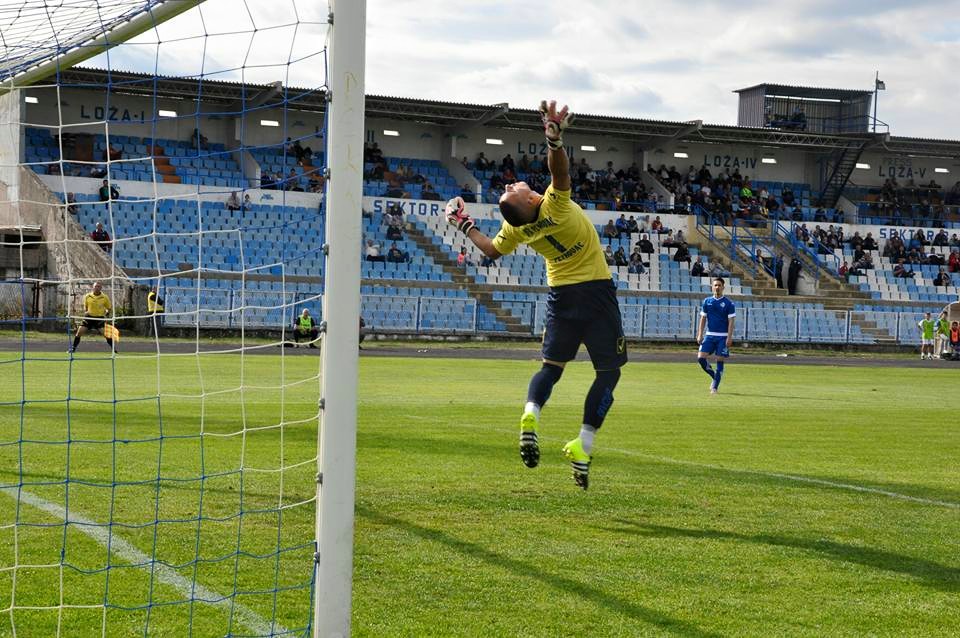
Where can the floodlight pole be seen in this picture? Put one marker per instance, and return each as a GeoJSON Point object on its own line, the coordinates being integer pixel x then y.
{"type": "Point", "coordinates": [337, 437]}
{"type": "Point", "coordinates": [876, 94]}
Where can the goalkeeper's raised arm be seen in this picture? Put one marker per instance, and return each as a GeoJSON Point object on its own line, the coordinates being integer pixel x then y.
{"type": "Point", "coordinates": [554, 123]}
{"type": "Point", "coordinates": [520, 205]}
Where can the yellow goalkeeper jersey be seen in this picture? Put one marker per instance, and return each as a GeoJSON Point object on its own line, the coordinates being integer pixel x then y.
{"type": "Point", "coordinates": [96, 305]}
{"type": "Point", "coordinates": [564, 236]}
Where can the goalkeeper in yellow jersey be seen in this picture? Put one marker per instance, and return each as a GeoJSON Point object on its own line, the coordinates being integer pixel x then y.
{"type": "Point", "coordinates": [582, 306]}
{"type": "Point", "coordinates": [96, 312]}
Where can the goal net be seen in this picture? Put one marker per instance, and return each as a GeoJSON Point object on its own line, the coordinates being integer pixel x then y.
{"type": "Point", "coordinates": [161, 278]}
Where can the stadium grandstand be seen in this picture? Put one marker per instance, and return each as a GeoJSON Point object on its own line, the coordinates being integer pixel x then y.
{"type": "Point", "coordinates": [755, 202]}
{"type": "Point", "coordinates": [224, 230]}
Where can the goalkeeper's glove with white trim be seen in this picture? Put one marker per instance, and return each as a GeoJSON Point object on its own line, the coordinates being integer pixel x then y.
{"type": "Point", "coordinates": [554, 122]}
{"type": "Point", "coordinates": [456, 213]}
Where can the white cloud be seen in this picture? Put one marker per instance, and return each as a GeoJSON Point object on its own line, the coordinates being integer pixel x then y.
{"type": "Point", "coordinates": [675, 61]}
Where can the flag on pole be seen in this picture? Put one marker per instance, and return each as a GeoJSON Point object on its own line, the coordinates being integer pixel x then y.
{"type": "Point", "coordinates": [881, 85]}
{"type": "Point", "coordinates": [110, 332]}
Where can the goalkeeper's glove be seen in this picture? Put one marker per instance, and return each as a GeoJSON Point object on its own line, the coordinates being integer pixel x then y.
{"type": "Point", "coordinates": [456, 213]}
{"type": "Point", "coordinates": [554, 123]}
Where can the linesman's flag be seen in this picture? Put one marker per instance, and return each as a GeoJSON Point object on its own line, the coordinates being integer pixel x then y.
{"type": "Point", "coordinates": [110, 332]}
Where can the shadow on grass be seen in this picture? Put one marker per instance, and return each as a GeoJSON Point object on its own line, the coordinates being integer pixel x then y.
{"type": "Point", "coordinates": [930, 573]}
{"type": "Point", "coordinates": [523, 569]}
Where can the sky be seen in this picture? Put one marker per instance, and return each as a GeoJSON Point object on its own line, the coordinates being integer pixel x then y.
{"type": "Point", "coordinates": [660, 60]}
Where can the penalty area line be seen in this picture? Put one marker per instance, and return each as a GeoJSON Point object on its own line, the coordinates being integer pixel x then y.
{"type": "Point", "coordinates": [166, 575]}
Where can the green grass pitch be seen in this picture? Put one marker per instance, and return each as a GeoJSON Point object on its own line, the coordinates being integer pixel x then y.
{"type": "Point", "coordinates": [802, 501]}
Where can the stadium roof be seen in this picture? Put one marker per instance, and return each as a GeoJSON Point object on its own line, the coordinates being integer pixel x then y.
{"type": "Point", "coordinates": [812, 92]}
{"type": "Point", "coordinates": [642, 131]}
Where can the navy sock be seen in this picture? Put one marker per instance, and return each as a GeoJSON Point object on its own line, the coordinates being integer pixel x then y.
{"type": "Point", "coordinates": [542, 383]}
{"type": "Point", "coordinates": [600, 397]}
{"type": "Point", "coordinates": [718, 374]}
{"type": "Point", "coordinates": [76, 341]}
{"type": "Point", "coordinates": [706, 366]}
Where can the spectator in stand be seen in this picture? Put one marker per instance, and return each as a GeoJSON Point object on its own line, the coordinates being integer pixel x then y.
{"type": "Point", "coordinates": [481, 163]}
{"type": "Point", "coordinates": [656, 226]}
{"type": "Point", "coordinates": [467, 193]}
{"type": "Point", "coordinates": [632, 226]}
{"type": "Point", "coordinates": [620, 257]}
{"type": "Point", "coordinates": [486, 262]}
{"type": "Point", "coordinates": [621, 225]}
{"type": "Point", "coordinates": [941, 239]}
{"type": "Point", "coordinates": [645, 245]}
{"type": "Point", "coordinates": [72, 204]}
{"type": "Point", "coordinates": [198, 141]}
{"type": "Point", "coordinates": [843, 271]}
{"type": "Point", "coordinates": [900, 271]}
{"type": "Point", "coordinates": [955, 338]}
{"type": "Point", "coordinates": [682, 254]}
{"type": "Point", "coordinates": [608, 255]}
{"type": "Point", "coordinates": [856, 241]}
{"type": "Point", "coordinates": [942, 279]}
{"type": "Point", "coordinates": [788, 197]}
{"type": "Point", "coordinates": [636, 265]}
{"type": "Point", "coordinates": [610, 231]}
{"type": "Point", "coordinates": [507, 164]}
{"type": "Point", "coordinates": [429, 193]}
{"type": "Point", "coordinates": [716, 270]}
{"type": "Point", "coordinates": [394, 232]}
{"type": "Point", "coordinates": [953, 263]}
{"type": "Point", "coordinates": [859, 265]}
{"type": "Point", "coordinates": [233, 202]}
{"type": "Point", "coordinates": [108, 192]}
{"type": "Point", "coordinates": [293, 181]}
{"type": "Point", "coordinates": [102, 238]}
{"type": "Point", "coordinates": [697, 270]}
{"type": "Point", "coordinates": [397, 256]}
{"type": "Point", "coordinates": [463, 259]}
{"type": "Point", "coordinates": [869, 243]}
{"type": "Point", "coordinates": [297, 150]}
{"type": "Point", "coordinates": [820, 215]}
{"type": "Point", "coordinates": [669, 241]}
{"type": "Point", "coordinates": [247, 204]}
{"type": "Point", "coordinates": [373, 251]}
{"type": "Point", "coordinates": [797, 214]}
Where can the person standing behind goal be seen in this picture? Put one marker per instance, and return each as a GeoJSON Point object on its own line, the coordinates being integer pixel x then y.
{"type": "Point", "coordinates": [582, 306]}
{"type": "Point", "coordinates": [96, 311]}
{"type": "Point", "coordinates": [155, 310]}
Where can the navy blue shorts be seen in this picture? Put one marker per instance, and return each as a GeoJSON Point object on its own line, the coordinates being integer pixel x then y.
{"type": "Point", "coordinates": [586, 313]}
{"type": "Point", "coordinates": [715, 345]}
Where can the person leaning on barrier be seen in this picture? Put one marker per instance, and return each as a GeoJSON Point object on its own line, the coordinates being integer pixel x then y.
{"type": "Point", "coordinates": [155, 310]}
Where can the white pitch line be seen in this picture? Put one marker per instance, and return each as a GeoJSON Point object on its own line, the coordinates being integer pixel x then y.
{"type": "Point", "coordinates": [165, 575]}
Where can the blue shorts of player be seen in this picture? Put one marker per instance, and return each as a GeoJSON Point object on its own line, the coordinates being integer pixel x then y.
{"type": "Point", "coordinates": [586, 313]}
{"type": "Point", "coordinates": [715, 345]}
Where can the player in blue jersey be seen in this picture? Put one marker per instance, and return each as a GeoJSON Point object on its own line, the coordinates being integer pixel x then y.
{"type": "Point", "coordinates": [717, 315]}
